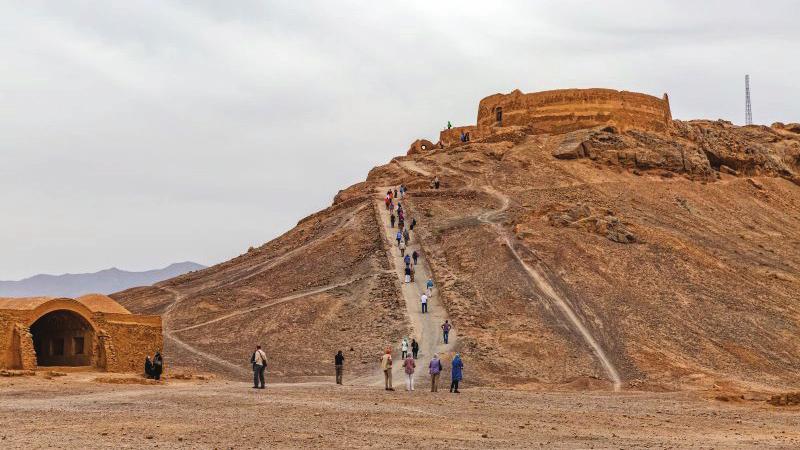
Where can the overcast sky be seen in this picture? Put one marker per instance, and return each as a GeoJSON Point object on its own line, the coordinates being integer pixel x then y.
{"type": "Point", "coordinates": [139, 133]}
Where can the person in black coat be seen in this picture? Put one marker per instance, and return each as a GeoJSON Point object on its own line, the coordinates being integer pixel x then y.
{"type": "Point", "coordinates": [158, 366]}
{"type": "Point", "coordinates": [148, 367]}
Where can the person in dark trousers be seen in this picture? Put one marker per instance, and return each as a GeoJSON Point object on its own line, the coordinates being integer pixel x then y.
{"type": "Point", "coordinates": [392, 219]}
{"type": "Point", "coordinates": [449, 125]}
{"type": "Point", "coordinates": [407, 260]}
{"type": "Point", "coordinates": [158, 366]}
{"type": "Point", "coordinates": [436, 183]}
{"type": "Point", "coordinates": [456, 373]}
{"type": "Point", "coordinates": [446, 326]}
{"type": "Point", "coordinates": [415, 256]}
{"type": "Point", "coordinates": [406, 236]}
{"type": "Point", "coordinates": [414, 348]}
{"type": "Point", "coordinates": [399, 237]}
{"type": "Point", "coordinates": [259, 360]}
{"type": "Point", "coordinates": [407, 273]}
{"type": "Point", "coordinates": [395, 194]}
{"type": "Point", "coordinates": [148, 367]}
{"type": "Point", "coordinates": [412, 224]}
{"type": "Point", "coordinates": [339, 362]}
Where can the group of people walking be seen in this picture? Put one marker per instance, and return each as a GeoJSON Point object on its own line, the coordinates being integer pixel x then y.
{"type": "Point", "coordinates": [435, 369]}
{"type": "Point", "coordinates": [409, 351]}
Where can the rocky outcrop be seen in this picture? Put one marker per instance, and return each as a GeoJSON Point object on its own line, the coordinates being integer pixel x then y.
{"type": "Point", "coordinates": [699, 149]}
{"type": "Point", "coordinates": [602, 223]}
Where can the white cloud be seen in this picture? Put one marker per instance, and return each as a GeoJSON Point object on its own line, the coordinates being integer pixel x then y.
{"type": "Point", "coordinates": [135, 134]}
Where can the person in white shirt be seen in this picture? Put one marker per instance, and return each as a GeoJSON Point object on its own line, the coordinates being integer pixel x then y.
{"type": "Point", "coordinates": [259, 360]}
{"type": "Point", "coordinates": [424, 300]}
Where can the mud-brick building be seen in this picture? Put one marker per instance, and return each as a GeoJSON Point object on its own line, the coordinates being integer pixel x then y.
{"type": "Point", "coordinates": [93, 331]}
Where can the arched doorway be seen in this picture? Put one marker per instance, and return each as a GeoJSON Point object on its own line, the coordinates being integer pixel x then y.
{"type": "Point", "coordinates": [63, 338]}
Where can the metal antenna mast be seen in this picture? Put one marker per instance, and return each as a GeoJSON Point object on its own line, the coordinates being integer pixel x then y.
{"type": "Point", "coordinates": [748, 112]}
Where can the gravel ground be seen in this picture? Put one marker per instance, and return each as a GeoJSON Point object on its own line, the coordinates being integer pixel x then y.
{"type": "Point", "coordinates": [74, 411]}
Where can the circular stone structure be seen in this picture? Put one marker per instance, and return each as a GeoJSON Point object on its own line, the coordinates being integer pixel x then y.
{"type": "Point", "coordinates": [565, 110]}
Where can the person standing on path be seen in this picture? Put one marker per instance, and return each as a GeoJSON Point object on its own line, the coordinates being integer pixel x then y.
{"type": "Point", "coordinates": [399, 236]}
{"type": "Point", "coordinates": [436, 182]}
{"type": "Point", "coordinates": [148, 367]}
{"type": "Point", "coordinates": [391, 206]}
{"type": "Point", "coordinates": [446, 326]}
{"type": "Point", "coordinates": [429, 285]}
{"type": "Point", "coordinates": [386, 366]}
{"type": "Point", "coordinates": [404, 348]}
{"type": "Point", "coordinates": [395, 194]}
{"type": "Point", "coordinates": [158, 366]}
{"type": "Point", "coordinates": [456, 373]}
{"type": "Point", "coordinates": [259, 360]}
{"type": "Point", "coordinates": [408, 274]}
{"type": "Point", "coordinates": [406, 236]}
{"type": "Point", "coordinates": [412, 224]}
{"type": "Point", "coordinates": [409, 365]}
{"type": "Point", "coordinates": [338, 361]}
{"type": "Point", "coordinates": [415, 255]}
{"type": "Point", "coordinates": [392, 219]}
{"type": "Point", "coordinates": [424, 300]}
{"type": "Point", "coordinates": [402, 246]}
{"type": "Point", "coordinates": [435, 368]}
{"type": "Point", "coordinates": [414, 348]}
{"type": "Point", "coordinates": [407, 260]}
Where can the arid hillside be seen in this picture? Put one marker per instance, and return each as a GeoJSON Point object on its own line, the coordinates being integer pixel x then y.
{"type": "Point", "coordinates": [588, 259]}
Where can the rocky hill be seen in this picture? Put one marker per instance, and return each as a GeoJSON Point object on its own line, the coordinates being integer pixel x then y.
{"type": "Point", "coordinates": [586, 258]}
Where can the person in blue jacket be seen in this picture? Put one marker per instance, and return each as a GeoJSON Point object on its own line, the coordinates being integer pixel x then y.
{"type": "Point", "coordinates": [456, 373]}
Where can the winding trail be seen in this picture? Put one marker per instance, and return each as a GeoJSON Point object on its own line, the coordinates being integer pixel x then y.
{"type": "Point", "coordinates": [493, 218]}
{"type": "Point", "coordinates": [274, 302]}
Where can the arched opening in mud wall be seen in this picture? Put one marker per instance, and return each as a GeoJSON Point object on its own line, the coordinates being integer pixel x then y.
{"type": "Point", "coordinates": [63, 338]}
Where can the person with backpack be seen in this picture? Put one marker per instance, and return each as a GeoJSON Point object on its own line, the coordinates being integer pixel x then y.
{"type": "Point", "coordinates": [392, 219]}
{"type": "Point", "coordinates": [338, 362]}
{"type": "Point", "coordinates": [446, 326]}
{"type": "Point", "coordinates": [402, 246]}
{"type": "Point", "coordinates": [259, 361]}
{"type": "Point", "coordinates": [409, 365]}
{"type": "Point", "coordinates": [435, 368]}
{"type": "Point", "coordinates": [386, 366]}
{"type": "Point", "coordinates": [158, 365]}
{"type": "Point", "coordinates": [456, 373]}
{"type": "Point", "coordinates": [406, 236]}
{"type": "Point", "coordinates": [424, 300]}
{"type": "Point", "coordinates": [415, 256]}
{"type": "Point", "coordinates": [407, 260]}
{"type": "Point", "coordinates": [414, 348]}
{"type": "Point", "coordinates": [429, 285]}
{"type": "Point", "coordinates": [399, 236]}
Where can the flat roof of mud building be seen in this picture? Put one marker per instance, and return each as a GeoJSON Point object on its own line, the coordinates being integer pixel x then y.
{"type": "Point", "coordinates": [93, 302]}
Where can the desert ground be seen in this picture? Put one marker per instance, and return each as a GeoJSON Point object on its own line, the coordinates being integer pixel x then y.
{"type": "Point", "coordinates": [75, 410]}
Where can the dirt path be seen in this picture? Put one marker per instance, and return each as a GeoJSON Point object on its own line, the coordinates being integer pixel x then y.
{"type": "Point", "coordinates": [272, 302]}
{"type": "Point", "coordinates": [426, 327]}
{"type": "Point", "coordinates": [494, 219]}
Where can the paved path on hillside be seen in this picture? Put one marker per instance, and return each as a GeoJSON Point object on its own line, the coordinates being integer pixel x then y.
{"type": "Point", "coordinates": [494, 218]}
{"type": "Point", "coordinates": [426, 327]}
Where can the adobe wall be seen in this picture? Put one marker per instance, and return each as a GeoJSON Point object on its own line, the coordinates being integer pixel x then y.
{"type": "Point", "coordinates": [120, 342]}
{"type": "Point", "coordinates": [566, 110]}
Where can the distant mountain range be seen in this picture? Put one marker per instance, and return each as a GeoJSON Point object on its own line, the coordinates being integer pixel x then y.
{"type": "Point", "coordinates": [102, 282]}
